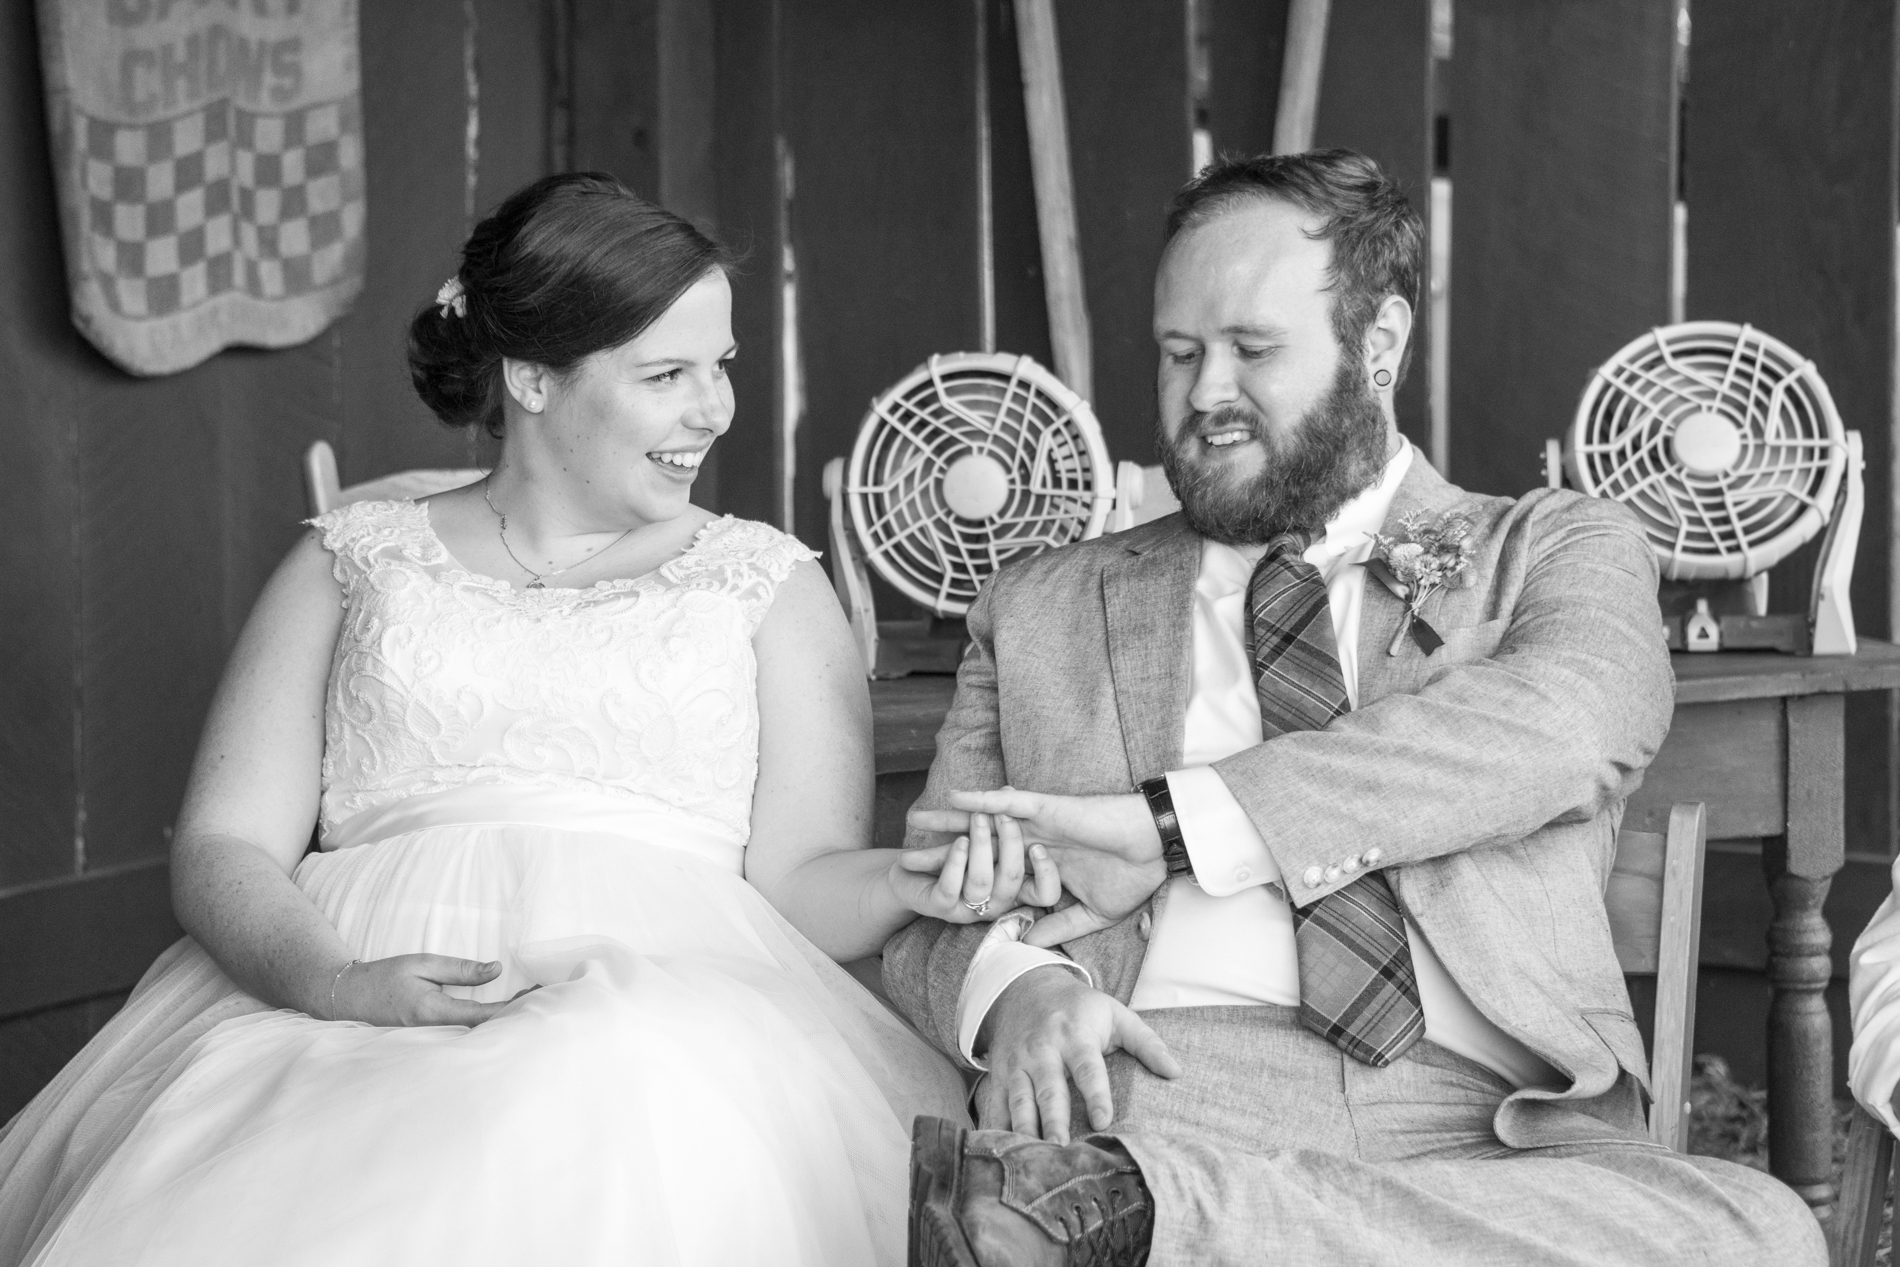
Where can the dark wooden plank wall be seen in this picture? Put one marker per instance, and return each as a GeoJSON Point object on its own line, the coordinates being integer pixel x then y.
{"type": "Point", "coordinates": [1790, 176]}
{"type": "Point", "coordinates": [142, 515]}
{"type": "Point", "coordinates": [1563, 177]}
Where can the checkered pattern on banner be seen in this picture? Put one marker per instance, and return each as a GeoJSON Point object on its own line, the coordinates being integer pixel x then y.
{"type": "Point", "coordinates": [223, 199]}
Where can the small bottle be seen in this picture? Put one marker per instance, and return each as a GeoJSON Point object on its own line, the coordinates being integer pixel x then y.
{"type": "Point", "coordinates": [1702, 633]}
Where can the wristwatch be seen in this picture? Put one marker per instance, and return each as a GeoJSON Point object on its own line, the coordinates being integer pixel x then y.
{"type": "Point", "coordinates": [1174, 854]}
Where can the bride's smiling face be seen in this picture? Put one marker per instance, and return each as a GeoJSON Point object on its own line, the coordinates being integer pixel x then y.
{"type": "Point", "coordinates": [633, 423]}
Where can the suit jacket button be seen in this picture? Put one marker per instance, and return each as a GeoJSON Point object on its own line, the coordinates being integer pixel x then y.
{"type": "Point", "coordinates": [1312, 877]}
{"type": "Point", "coordinates": [1349, 865]}
{"type": "Point", "coordinates": [1373, 855]}
{"type": "Point", "coordinates": [1145, 925]}
{"type": "Point", "coordinates": [1332, 873]}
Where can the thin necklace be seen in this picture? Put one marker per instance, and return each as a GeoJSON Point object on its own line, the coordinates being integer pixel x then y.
{"type": "Point", "coordinates": [542, 578]}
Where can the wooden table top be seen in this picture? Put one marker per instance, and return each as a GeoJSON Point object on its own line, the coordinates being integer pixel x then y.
{"type": "Point", "coordinates": [907, 711]}
{"type": "Point", "coordinates": [1711, 677]}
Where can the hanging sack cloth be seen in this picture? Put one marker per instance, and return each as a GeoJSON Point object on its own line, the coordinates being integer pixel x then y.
{"type": "Point", "coordinates": [209, 161]}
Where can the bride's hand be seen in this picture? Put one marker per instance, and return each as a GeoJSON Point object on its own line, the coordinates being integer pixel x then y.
{"type": "Point", "coordinates": [977, 877]}
{"type": "Point", "coordinates": [407, 990]}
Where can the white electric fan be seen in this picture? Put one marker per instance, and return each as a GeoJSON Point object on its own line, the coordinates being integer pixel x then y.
{"type": "Point", "coordinates": [974, 459]}
{"type": "Point", "coordinates": [1727, 445]}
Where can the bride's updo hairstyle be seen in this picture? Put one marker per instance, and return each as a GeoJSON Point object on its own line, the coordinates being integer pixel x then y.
{"type": "Point", "coordinates": [569, 266]}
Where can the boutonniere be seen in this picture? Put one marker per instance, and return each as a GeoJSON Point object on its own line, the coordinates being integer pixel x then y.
{"type": "Point", "coordinates": [1426, 554]}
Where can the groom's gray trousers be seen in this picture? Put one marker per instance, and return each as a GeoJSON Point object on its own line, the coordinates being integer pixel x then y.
{"type": "Point", "coordinates": [1276, 1147]}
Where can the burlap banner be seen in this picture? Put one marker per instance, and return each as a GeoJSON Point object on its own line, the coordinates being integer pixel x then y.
{"type": "Point", "coordinates": [209, 158]}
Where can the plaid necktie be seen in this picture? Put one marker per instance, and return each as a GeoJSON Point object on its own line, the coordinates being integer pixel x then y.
{"type": "Point", "coordinates": [1357, 986]}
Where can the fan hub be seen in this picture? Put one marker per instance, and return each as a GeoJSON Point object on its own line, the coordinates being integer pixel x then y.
{"type": "Point", "coordinates": [975, 486]}
{"type": "Point", "coordinates": [1707, 443]}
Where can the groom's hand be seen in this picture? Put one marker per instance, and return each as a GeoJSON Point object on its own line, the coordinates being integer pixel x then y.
{"type": "Point", "coordinates": [1049, 1027]}
{"type": "Point", "coordinates": [1105, 848]}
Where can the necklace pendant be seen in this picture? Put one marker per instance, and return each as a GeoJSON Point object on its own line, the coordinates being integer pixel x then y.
{"type": "Point", "coordinates": [536, 585]}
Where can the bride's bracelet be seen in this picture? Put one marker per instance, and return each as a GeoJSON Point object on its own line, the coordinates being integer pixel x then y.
{"type": "Point", "coordinates": [333, 983]}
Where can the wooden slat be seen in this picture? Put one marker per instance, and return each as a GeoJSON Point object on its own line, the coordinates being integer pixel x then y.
{"type": "Point", "coordinates": [38, 347]}
{"type": "Point", "coordinates": [152, 596]}
{"type": "Point", "coordinates": [1305, 58]}
{"type": "Point", "coordinates": [1727, 675]}
{"type": "Point", "coordinates": [1045, 106]}
{"type": "Point", "coordinates": [1790, 170]}
{"type": "Point", "coordinates": [1375, 97]}
{"type": "Point", "coordinates": [414, 114]}
{"type": "Point", "coordinates": [1673, 1052]}
{"type": "Point", "coordinates": [1125, 76]}
{"type": "Point", "coordinates": [1730, 755]}
{"type": "Point", "coordinates": [1563, 120]}
{"type": "Point", "coordinates": [512, 62]}
{"type": "Point", "coordinates": [1853, 1234]}
{"type": "Point", "coordinates": [746, 189]}
{"type": "Point", "coordinates": [1022, 313]}
{"type": "Point", "coordinates": [83, 937]}
{"type": "Point", "coordinates": [879, 111]}
{"type": "Point", "coordinates": [615, 91]}
{"type": "Point", "coordinates": [1246, 54]}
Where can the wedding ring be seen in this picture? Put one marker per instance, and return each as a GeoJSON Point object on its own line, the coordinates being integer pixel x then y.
{"type": "Point", "coordinates": [979, 907]}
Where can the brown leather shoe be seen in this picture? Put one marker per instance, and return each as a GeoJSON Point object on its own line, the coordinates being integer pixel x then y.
{"type": "Point", "coordinates": [996, 1198]}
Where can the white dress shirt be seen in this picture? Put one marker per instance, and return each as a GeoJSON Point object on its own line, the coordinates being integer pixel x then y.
{"type": "Point", "coordinates": [1226, 936]}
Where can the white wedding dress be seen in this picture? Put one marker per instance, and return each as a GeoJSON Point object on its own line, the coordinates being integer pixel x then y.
{"type": "Point", "coordinates": [560, 780]}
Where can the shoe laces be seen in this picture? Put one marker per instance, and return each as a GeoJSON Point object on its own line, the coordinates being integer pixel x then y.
{"type": "Point", "coordinates": [1114, 1240]}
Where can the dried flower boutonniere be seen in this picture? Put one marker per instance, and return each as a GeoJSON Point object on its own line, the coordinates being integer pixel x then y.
{"type": "Point", "coordinates": [1424, 556]}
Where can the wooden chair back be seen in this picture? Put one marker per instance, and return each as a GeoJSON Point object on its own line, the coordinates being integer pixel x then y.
{"type": "Point", "coordinates": [1853, 1233]}
{"type": "Point", "coordinates": [1655, 903]}
{"type": "Point", "coordinates": [322, 492]}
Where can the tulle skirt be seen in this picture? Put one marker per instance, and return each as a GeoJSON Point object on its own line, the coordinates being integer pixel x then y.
{"type": "Point", "coordinates": [695, 1084]}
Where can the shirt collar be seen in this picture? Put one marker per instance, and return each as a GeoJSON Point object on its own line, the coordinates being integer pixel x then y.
{"type": "Point", "coordinates": [1349, 530]}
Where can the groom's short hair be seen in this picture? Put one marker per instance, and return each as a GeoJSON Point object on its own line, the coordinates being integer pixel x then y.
{"type": "Point", "coordinates": [1378, 240]}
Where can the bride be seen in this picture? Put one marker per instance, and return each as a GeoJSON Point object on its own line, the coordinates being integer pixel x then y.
{"type": "Point", "coordinates": [591, 772]}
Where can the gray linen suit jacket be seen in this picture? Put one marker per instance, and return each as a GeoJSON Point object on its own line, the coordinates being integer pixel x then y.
{"type": "Point", "coordinates": [1492, 773]}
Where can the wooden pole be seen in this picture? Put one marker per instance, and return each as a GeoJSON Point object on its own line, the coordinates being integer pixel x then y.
{"type": "Point", "coordinates": [1055, 195]}
{"type": "Point", "coordinates": [1299, 76]}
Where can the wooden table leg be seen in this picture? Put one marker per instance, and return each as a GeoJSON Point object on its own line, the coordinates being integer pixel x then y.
{"type": "Point", "coordinates": [1799, 868]}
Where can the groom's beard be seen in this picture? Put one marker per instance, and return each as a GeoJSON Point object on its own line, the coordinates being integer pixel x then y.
{"type": "Point", "coordinates": [1336, 452]}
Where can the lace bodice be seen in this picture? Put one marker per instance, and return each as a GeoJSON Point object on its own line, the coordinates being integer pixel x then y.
{"type": "Point", "coordinates": [640, 688]}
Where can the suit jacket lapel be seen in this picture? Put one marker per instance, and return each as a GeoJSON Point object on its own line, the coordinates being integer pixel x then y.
{"type": "Point", "coordinates": [1422, 489]}
{"type": "Point", "coordinates": [1148, 597]}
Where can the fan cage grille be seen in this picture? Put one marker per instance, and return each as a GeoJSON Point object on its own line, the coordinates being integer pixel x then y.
{"type": "Point", "coordinates": [1009, 408]}
{"type": "Point", "coordinates": [1737, 522]}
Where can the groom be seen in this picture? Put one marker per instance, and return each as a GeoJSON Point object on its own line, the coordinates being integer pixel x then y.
{"type": "Point", "coordinates": [1336, 985]}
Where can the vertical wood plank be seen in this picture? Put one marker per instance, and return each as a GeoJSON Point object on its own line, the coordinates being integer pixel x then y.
{"type": "Point", "coordinates": [1790, 171]}
{"type": "Point", "coordinates": [1247, 49]}
{"type": "Point", "coordinates": [878, 107]}
{"type": "Point", "coordinates": [414, 112]}
{"type": "Point", "coordinates": [745, 178]}
{"type": "Point", "coordinates": [1375, 96]}
{"type": "Point", "coordinates": [688, 78]}
{"type": "Point", "coordinates": [1022, 316]}
{"type": "Point", "coordinates": [1125, 71]}
{"type": "Point", "coordinates": [512, 62]}
{"type": "Point", "coordinates": [1562, 184]}
{"type": "Point", "coordinates": [38, 780]}
{"type": "Point", "coordinates": [616, 91]}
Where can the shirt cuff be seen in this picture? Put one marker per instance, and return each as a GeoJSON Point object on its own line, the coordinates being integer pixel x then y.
{"type": "Point", "coordinates": [1222, 842]}
{"type": "Point", "coordinates": [999, 961]}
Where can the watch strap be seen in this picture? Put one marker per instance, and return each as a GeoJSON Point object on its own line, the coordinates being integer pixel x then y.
{"type": "Point", "coordinates": [1174, 854]}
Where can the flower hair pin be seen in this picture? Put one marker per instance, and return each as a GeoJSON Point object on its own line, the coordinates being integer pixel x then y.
{"type": "Point", "coordinates": [1425, 555]}
{"type": "Point", "coordinates": [452, 298]}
